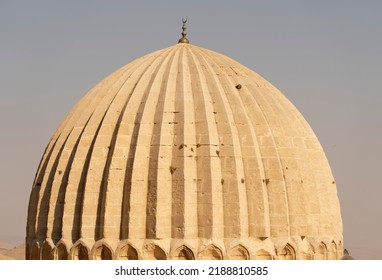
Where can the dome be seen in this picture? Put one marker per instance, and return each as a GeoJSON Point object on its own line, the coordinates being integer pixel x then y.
{"type": "Point", "coordinates": [184, 154]}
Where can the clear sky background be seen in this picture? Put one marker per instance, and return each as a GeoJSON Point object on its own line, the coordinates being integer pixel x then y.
{"type": "Point", "coordinates": [325, 56]}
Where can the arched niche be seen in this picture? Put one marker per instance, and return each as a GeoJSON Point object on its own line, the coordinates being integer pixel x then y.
{"type": "Point", "coordinates": [307, 254]}
{"type": "Point", "coordinates": [46, 252]}
{"type": "Point", "coordinates": [80, 252]}
{"type": "Point", "coordinates": [332, 251]}
{"type": "Point", "coordinates": [320, 252]}
{"type": "Point", "coordinates": [128, 252]}
{"type": "Point", "coordinates": [35, 251]}
{"type": "Point", "coordinates": [184, 253]}
{"type": "Point", "coordinates": [239, 252]}
{"type": "Point", "coordinates": [62, 252]}
{"type": "Point", "coordinates": [287, 253]}
{"type": "Point", "coordinates": [103, 253]}
{"type": "Point", "coordinates": [154, 252]}
{"type": "Point", "coordinates": [263, 255]}
{"type": "Point", "coordinates": [211, 253]}
{"type": "Point", "coordinates": [27, 251]}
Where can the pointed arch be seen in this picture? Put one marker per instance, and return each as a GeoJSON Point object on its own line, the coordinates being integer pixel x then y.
{"type": "Point", "coordinates": [321, 252]}
{"type": "Point", "coordinates": [103, 252]}
{"type": "Point", "coordinates": [35, 251]}
{"type": "Point", "coordinates": [128, 252]}
{"type": "Point", "coordinates": [154, 252]}
{"type": "Point", "coordinates": [61, 252]}
{"type": "Point", "coordinates": [307, 253]}
{"type": "Point", "coordinates": [340, 250]}
{"type": "Point", "coordinates": [183, 253]}
{"type": "Point", "coordinates": [263, 255]}
{"type": "Point", "coordinates": [211, 252]}
{"type": "Point", "coordinates": [80, 252]}
{"type": "Point", "coordinates": [239, 252]}
{"type": "Point", "coordinates": [27, 251]}
{"type": "Point", "coordinates": [46, 251]}
{"type": "Point", "coordinates": [332, 251]}
{"type": "Point", "coordinates": [287, 253]}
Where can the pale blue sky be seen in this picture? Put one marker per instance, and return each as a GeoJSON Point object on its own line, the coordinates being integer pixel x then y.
{"type": "Point", "coordinates": [325, 56]}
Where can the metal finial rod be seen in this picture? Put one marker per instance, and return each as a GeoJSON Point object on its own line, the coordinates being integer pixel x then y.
{"type": "Point", "coordinates": [184, 33]}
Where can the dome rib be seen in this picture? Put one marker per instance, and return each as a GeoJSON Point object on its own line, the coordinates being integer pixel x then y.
{"type": "Point", "coordinates": [257, 196]}
{"type": "Point", "coordinates": [235, 221]}
{"type": "Point", "coordinates": [60, 136]}
{"type": "Point", "coordinates": [279, 208]}
{"type": "Point", "coordinates": [127, 143]}
{"type": "Point", "coordinates": [158, 219]}
{"type": "Point", "coordinates": [291, 175]}
{"type": "Point", "coordinates": [174, 109]}
{"type": "Point", "coordinates": [210, 197]}
{"type": "Point", "coordinates": [140, 167]}
{"type": "Point", "coordinates": [185, 222]}
{"type": "Point", "coordinates": [35, 193]}
{"type": "Point", "coordinates": [112, 180]}
{"type": "Point", "coordinates": [178, 160]}
{"type": "Point", "coordinates": [246, 140]}
{"type": "Point", "coordinates": [112, 120]}
{"type": "Point", "coordinates": [59, 191]}
{"type": "Point", "coordinates": [112, 202]}
{"type": "Point", "coordinates": [273, 203]}
{"type": "Point", "coordinates": [112, 168]}
{"type": "Point", "coordinates": [46, 191]}
{"type": "Point", "coordinates": [76, 184]}
{"type": "Point", "coordinates": [87, 193]}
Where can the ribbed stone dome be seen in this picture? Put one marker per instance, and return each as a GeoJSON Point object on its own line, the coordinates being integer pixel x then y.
{"type": "Point", "coordinates": [184, 154]}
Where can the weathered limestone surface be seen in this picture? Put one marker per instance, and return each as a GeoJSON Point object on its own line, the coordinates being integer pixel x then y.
{"type": "Point", "coordinates": [184, 154]}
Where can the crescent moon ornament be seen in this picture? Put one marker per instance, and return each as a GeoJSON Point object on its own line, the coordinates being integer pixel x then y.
{"type": "Point", "coordinates": [184, 39]}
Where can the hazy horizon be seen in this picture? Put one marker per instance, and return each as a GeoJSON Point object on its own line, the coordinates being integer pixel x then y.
{"type": "Point", "coordinates": [325, 56]}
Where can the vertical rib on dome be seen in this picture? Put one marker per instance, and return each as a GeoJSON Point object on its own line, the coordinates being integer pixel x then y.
{"type": "Point", "coordinates": [228, 154]}
{"type": "Point", "coordinates": [185, 185]}
{"type": "Point", "coordinates": [256, 196]}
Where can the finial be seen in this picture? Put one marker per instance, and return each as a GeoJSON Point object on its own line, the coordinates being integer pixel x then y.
{"type": "Point", "coordinates": [346, 256]}
{"type": "Point", "coordinates": [184, 33]}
